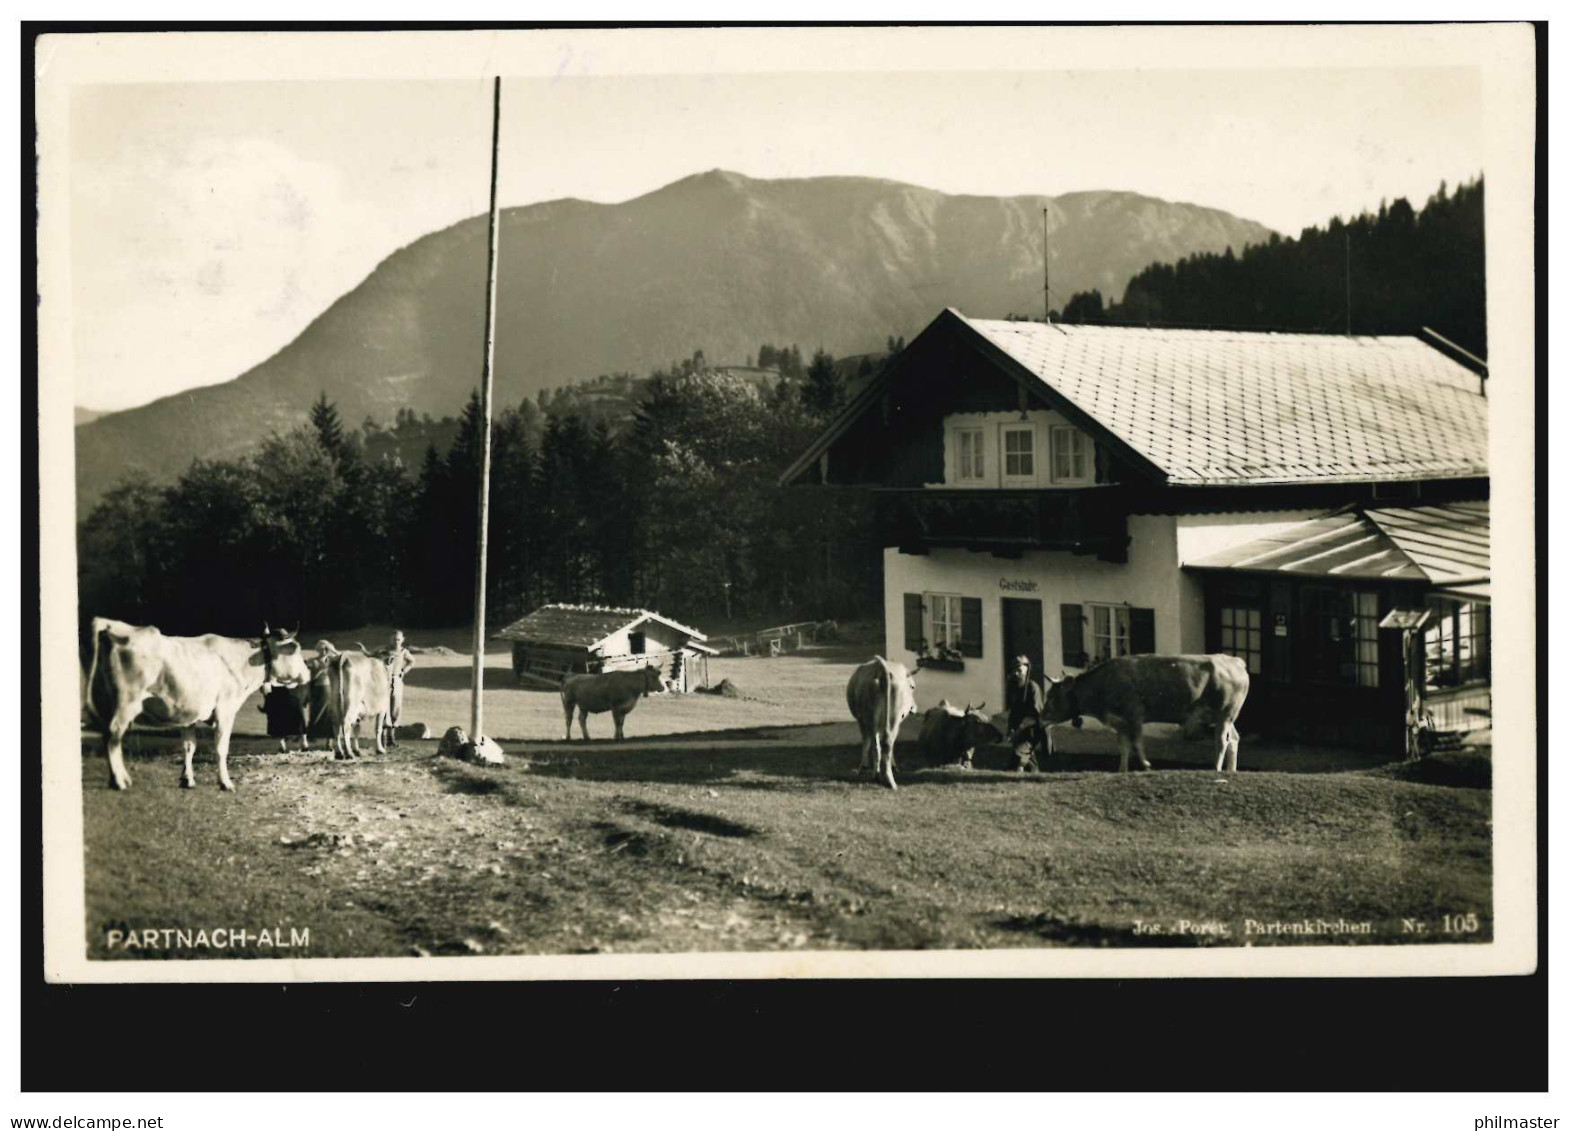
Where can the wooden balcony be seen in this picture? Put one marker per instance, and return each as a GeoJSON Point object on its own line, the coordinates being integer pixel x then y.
{"type": "Point", "coordinates": [1091, 520]}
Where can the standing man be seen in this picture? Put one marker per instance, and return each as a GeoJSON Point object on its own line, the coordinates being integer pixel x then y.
{"type": "Point", "coordinates": [1027, 729]}
{"type": "Point", "coordinates": [399, 661]}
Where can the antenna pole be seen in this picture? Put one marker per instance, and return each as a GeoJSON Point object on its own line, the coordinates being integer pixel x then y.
{"type": "Point", "coordinates": [477, 714]}
{"type": "Point", "coordinates": [1046, 258]}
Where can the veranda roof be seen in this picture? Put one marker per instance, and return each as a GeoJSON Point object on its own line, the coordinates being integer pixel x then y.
{"type": "Point", "coordinates": [1446, 545]}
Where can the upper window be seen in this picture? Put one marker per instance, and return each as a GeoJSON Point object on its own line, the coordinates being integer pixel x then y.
{"type": "Point", "coordinates": [971, 445]}
{"type": "Point", "coordinates": [1071, 458]}
{"type": "Point", "coordinates": [1018, 454]}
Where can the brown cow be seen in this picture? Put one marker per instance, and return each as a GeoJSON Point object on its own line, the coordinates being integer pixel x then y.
{"type": "Point", "coordinates": [139, 673]}
{"type": "Point", "coordinates": [1129, 691]}
{"type": "Point", "coordinates": [616, 692]}
{"type": "Point", "coordinates": [950, 735]}
{"type": "Point", "coordinates": [881, 696]}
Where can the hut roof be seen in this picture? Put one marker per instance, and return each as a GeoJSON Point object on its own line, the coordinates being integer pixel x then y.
{"type": "Point", "coordinates": [584, 626]}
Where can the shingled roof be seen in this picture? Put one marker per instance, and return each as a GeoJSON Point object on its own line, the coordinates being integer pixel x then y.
{"type": "Point", "coordinates": [582, 626]}
{"type": "Point", "coordinates": [1446, 545]}
{"type": "Point", "coordinates": [1236, 407]}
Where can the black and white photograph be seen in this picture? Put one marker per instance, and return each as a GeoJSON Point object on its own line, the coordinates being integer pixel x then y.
{"type": "Point", "coordinates": [787, 502]}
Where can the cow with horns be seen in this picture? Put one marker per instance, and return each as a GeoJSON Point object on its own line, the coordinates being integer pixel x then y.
{"type": "Point", "coordinates": [949, 735]}
{"type": "Point", "coordinates": [1198, 692]}
{"type": "Point", "coordinates": [138, 673]}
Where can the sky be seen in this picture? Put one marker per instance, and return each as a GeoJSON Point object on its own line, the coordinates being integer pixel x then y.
{"type": "Point", "coordinates": [211, 222]}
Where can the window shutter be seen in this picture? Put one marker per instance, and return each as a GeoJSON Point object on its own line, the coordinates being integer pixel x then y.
{"type": "Point", "coordinates": [970, 627]}
{"type": "Point", "coordinates": [1141, 637]}
{"type": "Point", "coordinates": [914, 630]}
{"type": "Point", "coordinates": [1073, 636]}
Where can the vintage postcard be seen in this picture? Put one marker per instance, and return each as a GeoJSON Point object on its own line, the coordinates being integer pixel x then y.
{"type": "Point", "coordinates": [798, 502]}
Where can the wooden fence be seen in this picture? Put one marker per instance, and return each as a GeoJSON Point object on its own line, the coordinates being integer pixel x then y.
{"type": "Point", "coordinates": [774, 641]}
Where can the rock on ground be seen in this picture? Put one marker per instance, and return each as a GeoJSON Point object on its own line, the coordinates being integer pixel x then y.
{"type": "Point", "coordinates": [484, 752]}
{"type": "Point", "coordinates": [453, 743]}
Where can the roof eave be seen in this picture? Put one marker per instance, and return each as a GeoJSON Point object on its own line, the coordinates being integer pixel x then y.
{"type": "Point", "coordinates": [1328, 480]}
{"type": "Point", "coordinates": [857, 406]}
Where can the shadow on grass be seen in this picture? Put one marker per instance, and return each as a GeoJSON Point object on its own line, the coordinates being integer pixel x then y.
{"type": "Point", "coordinates": [782, 760]}
{"type": "Point", "coordinates": [676, 818]}
{"type": "Point", "coordinates": [710, 762]}
{"type": "Point", "coordinates": [645, 741]}
{"type": "Point", "coordinates": [617, 839]}
{"type": "Point", "coordinates": [1462, 769]}
{"type": "Point", "coordinates": [479, 787]}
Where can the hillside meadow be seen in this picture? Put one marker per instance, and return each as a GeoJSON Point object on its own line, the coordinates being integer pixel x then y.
{"type": "Point", "coordinates": [738, 824]}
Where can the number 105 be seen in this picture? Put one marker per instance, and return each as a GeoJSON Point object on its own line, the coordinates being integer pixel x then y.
{"type": "Point", "coordinates": [1466, 924]}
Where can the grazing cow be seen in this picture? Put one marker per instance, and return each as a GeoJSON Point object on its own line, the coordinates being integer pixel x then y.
{"type": "Point", "coordinates": [180, 680]}
{"type": "Point", "coordinates": [361, 687]}
{"type": "Point", "coordinates": [950, 735]}
{"type": "Point", "coordinates": [1129, 691]}
{"type": "Point", "coordinates": [616, 692]}
{"type": "Point", "coordinates": [881, 696]}
{"type": "Point", "coordinates": [1027, 729]}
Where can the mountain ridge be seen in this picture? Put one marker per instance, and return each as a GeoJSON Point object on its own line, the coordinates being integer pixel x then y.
{"type": "Point", "coordinates": [716, 260]}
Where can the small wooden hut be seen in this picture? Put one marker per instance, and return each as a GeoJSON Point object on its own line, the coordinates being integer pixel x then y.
{"type": "Point", "coordinates": [555, 640]}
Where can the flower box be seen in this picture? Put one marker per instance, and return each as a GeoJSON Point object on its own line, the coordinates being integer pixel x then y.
{"type": "Point", "coordinates": [935, 664]}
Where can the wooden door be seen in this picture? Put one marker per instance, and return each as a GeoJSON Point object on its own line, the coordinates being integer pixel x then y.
{"type": "Point", "coordinates": [1021, 635]}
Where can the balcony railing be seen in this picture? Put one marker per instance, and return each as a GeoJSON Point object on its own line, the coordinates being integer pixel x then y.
{"type": "Point", "coordinates": [1084, 521]}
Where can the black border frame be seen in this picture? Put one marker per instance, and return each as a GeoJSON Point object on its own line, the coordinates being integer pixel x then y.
{"type": "Point", "coordinates": [1263, 1034]}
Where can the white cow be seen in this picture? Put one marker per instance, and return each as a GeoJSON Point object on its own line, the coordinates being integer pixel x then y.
{"type": "Point", "coordinates": [361, 688]}
{"type": "Point", "coordinates": [181, 680]}
{"type": "Point", "coordinates": [881, 696]}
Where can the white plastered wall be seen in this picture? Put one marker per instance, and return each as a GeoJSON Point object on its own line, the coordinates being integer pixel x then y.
{"type": "Point", "coordinates": [1148, 579]}
{"type": "Point", "coordinates": [1151, 578]}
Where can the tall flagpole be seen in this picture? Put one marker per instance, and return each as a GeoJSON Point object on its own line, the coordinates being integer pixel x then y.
{"type": "Point", "coordinates": [477, 716]}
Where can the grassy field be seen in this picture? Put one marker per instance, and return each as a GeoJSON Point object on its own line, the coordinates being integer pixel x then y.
{"type": "Point", "coordinates": [738, 824]}
{"type": "Point", "coordinates": [802, 687]}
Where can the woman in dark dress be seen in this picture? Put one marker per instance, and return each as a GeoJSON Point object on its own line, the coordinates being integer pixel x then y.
{"type": "Point", "coordinates": [300, 710]}
{"type": "Point", "coordinates": [285, 709]}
